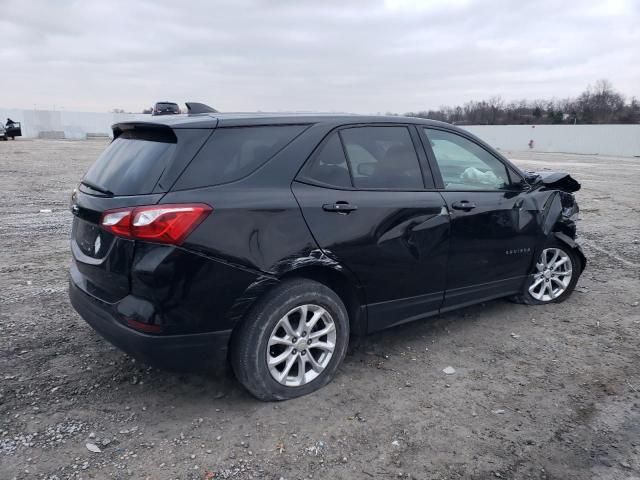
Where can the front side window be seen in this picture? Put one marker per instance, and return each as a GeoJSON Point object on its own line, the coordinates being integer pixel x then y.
{"type": "Point", "coordinates": [465, 165]}
{"type": "Point", "coordinates": [382, 157]}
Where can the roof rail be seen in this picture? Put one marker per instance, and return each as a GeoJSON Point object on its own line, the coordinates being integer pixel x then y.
{"type": "Point", "coordinates": [195, 107]}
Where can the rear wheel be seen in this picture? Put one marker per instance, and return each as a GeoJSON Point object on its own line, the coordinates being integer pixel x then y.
{"type": "Point", "coordinates": [555, 276]}
{"type": "Point", "coordinates": [292, 342]}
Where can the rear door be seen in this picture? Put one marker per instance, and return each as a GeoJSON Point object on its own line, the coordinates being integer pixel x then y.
{"type": "Point", "coordinates": [137, 168]}
{"type": "Point", "coordinates": [364, 198]}
{"type": "Point", "coordinates": [493, 236]}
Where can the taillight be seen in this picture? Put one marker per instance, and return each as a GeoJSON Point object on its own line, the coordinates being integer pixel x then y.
{"type": "Point", "coordinates": [117, 222]}
{"type": "Point", "coordinates": [170, 223]}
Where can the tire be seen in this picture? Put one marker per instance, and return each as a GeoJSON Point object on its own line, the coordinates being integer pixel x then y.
{"type": "Point", "coordinates": [556, 294]}
{"type": "Point", "coordinates": [266, 333]}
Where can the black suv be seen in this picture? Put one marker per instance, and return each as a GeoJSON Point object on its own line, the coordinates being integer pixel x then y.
{"type": "Point", "coordinates": [274, 237]}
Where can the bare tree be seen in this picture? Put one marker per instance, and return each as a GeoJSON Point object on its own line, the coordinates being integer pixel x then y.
{"type": "Point", "coordinates": [599, 103]}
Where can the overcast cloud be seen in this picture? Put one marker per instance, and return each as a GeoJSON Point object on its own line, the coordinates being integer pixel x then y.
{"type": "Point", "coordinates": [359, 56]}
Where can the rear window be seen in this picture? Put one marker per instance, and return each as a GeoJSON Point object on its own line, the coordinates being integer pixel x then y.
{"type": "Point", "coordinates": [233, 153]}
{"type": "Point", "coordinates": [131, 166]}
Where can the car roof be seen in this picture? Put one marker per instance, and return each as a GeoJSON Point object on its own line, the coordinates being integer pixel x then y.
{"type": "Point", "coordinates": [240, 119]}
{"type": "Point", "coordinates": [213, 120]}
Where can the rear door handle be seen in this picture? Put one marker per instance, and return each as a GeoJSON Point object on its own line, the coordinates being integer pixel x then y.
{"type": "Point", "coordinates": [339, 207]}
{"type": "Point", "coordinates": [463, 205]}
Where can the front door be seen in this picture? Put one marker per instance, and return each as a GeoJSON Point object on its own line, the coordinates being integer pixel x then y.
{"type": "Point", "coordinates": [369, 211]}
{"type": "Point", "coordinates": [493, 232]}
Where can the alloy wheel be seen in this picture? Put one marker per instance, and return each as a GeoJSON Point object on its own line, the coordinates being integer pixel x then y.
{"type": "Point", "coordinates": [301, 345]}
{"type": "Point", "coordinates": [553, 275]}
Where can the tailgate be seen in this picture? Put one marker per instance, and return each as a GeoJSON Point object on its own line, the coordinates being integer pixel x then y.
{"type": "Point", "coordinates": [136, 169]}
{"type": "Point", "coordinates": [102, 261]}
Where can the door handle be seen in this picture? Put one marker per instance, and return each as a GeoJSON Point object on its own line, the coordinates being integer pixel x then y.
{"type": "Point", "coordinates": [463, 205]}
{"type": "Point", "coordinates": [339, 207]}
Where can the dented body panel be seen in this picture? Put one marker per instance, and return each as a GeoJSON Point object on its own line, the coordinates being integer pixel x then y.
{"type": "Point", "coordinates": [396, 244]}
{"type": "Point", "coordinates": [560, 211]}
{"type": "Point", "coordinates": [553, 181]}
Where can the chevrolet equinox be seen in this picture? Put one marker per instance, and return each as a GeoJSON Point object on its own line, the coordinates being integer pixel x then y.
{"type": "Point", "coordinates": [270, 239]}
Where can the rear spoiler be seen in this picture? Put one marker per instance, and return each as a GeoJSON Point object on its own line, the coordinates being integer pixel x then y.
{"type": "Point", "coordinates": [144, 131]}
{"type": "Point", "coordinates": [195, 107]}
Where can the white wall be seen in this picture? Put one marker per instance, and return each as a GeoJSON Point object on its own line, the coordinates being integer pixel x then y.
{"type": "Point", "coordinates": [615, 140]}
{"type": "Point", "coordinates": [73, 125]}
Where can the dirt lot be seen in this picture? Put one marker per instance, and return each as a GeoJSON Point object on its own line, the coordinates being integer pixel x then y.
{"type": "Point", "coordinates": [539, 392]}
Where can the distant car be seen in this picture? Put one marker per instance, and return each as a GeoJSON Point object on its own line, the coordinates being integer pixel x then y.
{"type": "Point", "coordinates": [166, 108]}
{"type": "Point", "coordinates": [3, 132]}
{"type": "Point", "coordinates": [279, 236]}
{"type": "Point", "coordinates": [13, 130]}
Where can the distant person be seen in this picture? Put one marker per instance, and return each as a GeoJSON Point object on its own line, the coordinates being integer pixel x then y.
{"type": "Point", "coordinates": [9, 122]}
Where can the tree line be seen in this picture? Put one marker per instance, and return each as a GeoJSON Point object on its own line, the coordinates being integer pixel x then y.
{"type": "Point", "coordinates": [599, 103]}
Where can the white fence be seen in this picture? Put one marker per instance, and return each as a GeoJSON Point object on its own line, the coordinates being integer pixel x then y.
{"type": "Point", "coordinates": [63, 124]}
{"type": "Point", "coordinates": [616, 140]}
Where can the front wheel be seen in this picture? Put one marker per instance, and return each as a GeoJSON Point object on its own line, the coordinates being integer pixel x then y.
{"type": "Point", "coordinates": [555, 276]}
{"type": "Point", "coordinates": [292, 342]}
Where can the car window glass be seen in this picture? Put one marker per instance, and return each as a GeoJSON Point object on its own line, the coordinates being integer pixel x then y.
{"type": "Point", "coordinates": [131, 166]}
{"type": "Point", "coordinates": [465, 165]}
{"type": "Point", "coordinates": [329, 165]}
{"type": "Point", "coordinates": [233, 153]}
{"type": "Point", "coordinates": [382, 157]}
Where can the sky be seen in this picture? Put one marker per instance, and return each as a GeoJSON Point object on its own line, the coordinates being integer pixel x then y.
{"type": "Point", "coordinates": [360, 56]}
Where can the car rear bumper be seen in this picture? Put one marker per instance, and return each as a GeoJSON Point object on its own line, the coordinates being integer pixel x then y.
{"type": "Point", "coordinates": [195, 351]}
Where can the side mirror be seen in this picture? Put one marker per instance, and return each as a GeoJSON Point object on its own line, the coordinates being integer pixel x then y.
{"type": "Point", "coordinates": [524, 186]}
{"type": "Point", "coordinates": [531, 178]}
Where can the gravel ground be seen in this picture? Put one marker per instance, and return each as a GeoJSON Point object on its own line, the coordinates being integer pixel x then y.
{"type": "Point", "coordinates": [549, 392]}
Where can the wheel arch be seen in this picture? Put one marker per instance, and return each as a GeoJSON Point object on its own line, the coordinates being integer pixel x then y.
{"type": "Point", "coordinates": [328, 273]}
{"type": "Point", "coordinates": [558, 224]}
{"type": "Point", "coordinates": [345, 286]}
{"type": "Point", "coordinates": [573, 245]}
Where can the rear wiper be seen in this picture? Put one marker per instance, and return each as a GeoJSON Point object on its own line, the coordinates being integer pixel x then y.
{"type": "Point", "coordinates": [97, 188]}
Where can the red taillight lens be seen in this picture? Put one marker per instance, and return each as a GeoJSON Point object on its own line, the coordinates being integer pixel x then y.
{"type": "Point", "coordinates": [117, 222]}
{"type": "Point", "coordinates": [170, 223]}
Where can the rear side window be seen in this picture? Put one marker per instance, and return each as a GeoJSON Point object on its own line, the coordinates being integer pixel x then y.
{"type": "Point", "coordinates": [233, 153]}
{"type": "Point", "coordinates": [329, 165]}
{"type": "Point", "coordinates": [382, 157]}
{"type": "Point", "coordinates": [132, 164]}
